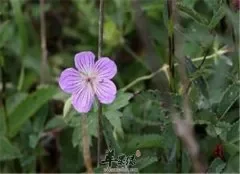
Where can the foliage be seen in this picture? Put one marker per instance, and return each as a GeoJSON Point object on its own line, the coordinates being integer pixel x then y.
{"type": "Point", "coordinates": [41, 132]}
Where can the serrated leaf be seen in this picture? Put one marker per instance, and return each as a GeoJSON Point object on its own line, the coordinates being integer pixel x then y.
{"type": "Point", "coordinates": [7, 150]}
{"type": "Point", "coordinates": [230, 96]}
{"type": "Point", "coordinates": [220, 13]}
{"type": "Point", "coordinates": [121, 100]}
{"type": "Point", "coordinates": [216, 166]}
{"type": "Point", "coordinates": [192, 14]}
{"type": "Point", "coordinates": [108, 134]}
{"type": "Point", "coordinates": [205, 117]}
{"type": "Point", "coordinates": [222, 127]}
{"type": "Point", "coordinates": [28, 108]}
{"type": "Point", "coordinates": [55, 122]}
{"type": "Point", "coordinates": [67, 106]}
{"type": "Point", "coordinates": [211, 130]}
{"type": "Point", "coordinates": [115, 120]}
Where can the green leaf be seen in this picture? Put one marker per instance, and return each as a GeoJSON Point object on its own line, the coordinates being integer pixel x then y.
{"type": "Point", "coordinates": [92, 128]}
{"type": "Point", "coordinates": [2, 123]}
{"type": "Point", "coordinates": [6, 32]}
{"type": "Point", "coordinates": [33, 140]}
{"type": "Point", "coordinates": [114, 118]}
{"type": "Point", "coordinates": [28, 108]}
{"type": "Point", "coordinates": [144, 141]}
{"type": "Point", "coordinates": [233, 165]}
{"type": "Point", "coordinates": [109, 138]}
{"type": "Point", "coordinates": [222, 128]}
{"type": "Point", "coordinates": [233, 134]}
{"type": "Point", "coordinates": [143, 162]}
{"type": "Point", "coordinates": [198, 81]}
{"type": "Point", "coordinates": [189, 3]}
{"type": "Point", "coordinates": [230, 96]}
{"type": "Point", "coordinates": [216, 18]}
{"type": "Point", "coordinates": [216, 166]}
{"type": "Point", "coordinates": [56, 122]}
{"type": "Point", "coordinates": [211, 130]}
{"type": "Point", "coordinates": [231, 148]}
{"type": "Point", "coordinates": [192, 14]}
{"type": "Point", "coordinates": [111, 35]}
{"type": "Point", "coordinates": [67, 107]}
{"type": "Point", "coordinates": [7, 150]}
{"type": "Point", "coordinates": [77, 136]}
{"type": "Point", "coordinates": [92, 124]}
{"type": "Point", "coordinates": [14, 100]}
{"type": "Point", "coordinates": [121, 100]}
{"type": "Point", "coordinates": [19, 19]}
{"type": "Point", "coordinates": [40, 119]}
{"type": "Point", "coordinates": [71, 160]}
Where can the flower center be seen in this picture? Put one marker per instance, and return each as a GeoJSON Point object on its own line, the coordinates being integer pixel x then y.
{"type": "Point", "coordinates": [88, 79]}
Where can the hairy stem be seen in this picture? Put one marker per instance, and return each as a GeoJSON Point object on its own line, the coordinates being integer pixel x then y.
{"type": "Point", "coordinates": [86, 145]}
{"type": "Point", "coordinates": [100, 44]}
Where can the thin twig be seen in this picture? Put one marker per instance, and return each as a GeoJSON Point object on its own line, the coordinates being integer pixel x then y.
{"type": "Point", "coordinates": [171, 6]}
{"type": "Point", "coordinates": [3, 97]}
{"type": "Point", "coordinates": [100, 44]}
{"type": "Point", "coordinates": [146, 77]}
{"type": "Point", "coordinates": [86, 144]}
{"type": "Point", "coordinates": [44, 64]}
{"type": "Point", "coordinates": [166, 67]}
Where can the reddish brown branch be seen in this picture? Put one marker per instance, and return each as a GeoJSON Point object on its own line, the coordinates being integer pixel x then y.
{"type": "Point", "coordinates": [86, 144]}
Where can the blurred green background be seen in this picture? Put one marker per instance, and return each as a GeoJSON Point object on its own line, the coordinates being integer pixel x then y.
{"type": "Point", "coordinates": [38, 135]}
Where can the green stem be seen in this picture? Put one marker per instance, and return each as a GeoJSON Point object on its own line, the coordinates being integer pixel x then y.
{"type": "Point", "coordinates": [100, 44]}
{"type": "Point", "coordinates": [165, 67]}
{"type": "Point", "coordinates": [139, 79]}
{"type": "Point", "coordinates": [171, 43]}
{"type": "Point", "coordinates": [3, 75]}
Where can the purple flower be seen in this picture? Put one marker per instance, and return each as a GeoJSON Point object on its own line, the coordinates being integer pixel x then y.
{"type": "Point", "coordinates": [89, 80]}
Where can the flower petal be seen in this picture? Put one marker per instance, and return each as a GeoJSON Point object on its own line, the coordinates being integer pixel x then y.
{"type": "Point", "coordinates": [84, 61]}
{"type": "Point", "coordinates": [105, 68]}
{"type": "Point", "coordinates": [70, 80]}
{"type": "Point", "coordinates": [83, 99]}
{"type": "Point", "coordinates": [106, 91]}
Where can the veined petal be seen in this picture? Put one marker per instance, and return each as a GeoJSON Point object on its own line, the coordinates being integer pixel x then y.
{"type": "Point", "coordinates": [70, 80]}
{"type": "Point", "coordinates": [83, 99]}
{"type": "Point", "coordinates": [106, 91]}
{"type": "Point", "coordinates": [105, 68]}
{"type": "Point", "coordinates": [84, 61]}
